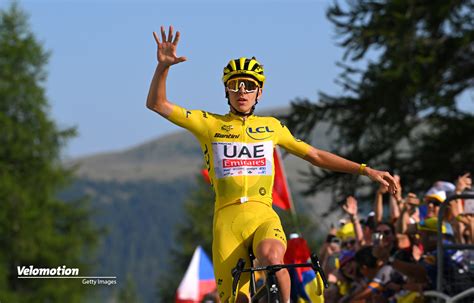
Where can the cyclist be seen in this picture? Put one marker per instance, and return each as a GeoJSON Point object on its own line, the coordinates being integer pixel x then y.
{"type": "Point", "coordinates": [238, 151]}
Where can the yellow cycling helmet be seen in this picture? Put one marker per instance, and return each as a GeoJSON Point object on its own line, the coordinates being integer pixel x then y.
{"type": "Point", "coordinates": [244, 67]}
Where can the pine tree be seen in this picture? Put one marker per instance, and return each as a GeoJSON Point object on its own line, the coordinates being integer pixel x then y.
{"type": "Point", "coordinates": [195, 229]}
{"type": "Point", "coordinates": [35, 227]}
{"type": "Point", "coordinates": [400, 112]}
{"type": "Point", "coordinates": [128, 294]}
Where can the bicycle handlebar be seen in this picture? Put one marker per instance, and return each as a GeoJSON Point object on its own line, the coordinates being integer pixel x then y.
{"type": "Point", "coordinates": [275, 267]}
{"type": "Point", "coordinates": [239, 268]}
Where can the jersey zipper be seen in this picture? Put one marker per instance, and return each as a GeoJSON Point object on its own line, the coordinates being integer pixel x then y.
{"type": "Point", "coordinates": [244, 197]}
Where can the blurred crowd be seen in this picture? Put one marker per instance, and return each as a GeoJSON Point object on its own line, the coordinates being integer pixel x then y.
{"type": "Point", "coordinates": [392, 257]}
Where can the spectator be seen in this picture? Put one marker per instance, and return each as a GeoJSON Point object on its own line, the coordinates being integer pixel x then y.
{"type": "Point", "coordinates": [396, 256]}
{"type": "Point", "coordinates": [386, 249]}
{"type": "Point", "coordinates": [348, 237]}
{"type": "Point", "coordinates": [384, 240]}
{"type": "Point", "coordinates": [462, 223]}
{"type": "Point", "coordinates": [368, 228]}
{"type": "Point", "coordinates": [377, 275]}
{"type": "Point", "coordinates": [393, 203]}
{"type": "Point", "coordinates": [429, 234]}
{"type": "Point", "coordinates": [409, 216]}
{"type": "Point", "coordinates": [329, 253]}
{"type": "Point", "coordinates": [351, 209]}
{"type": "Point", "coordinates": [343, 281]}
{"type": "Point", "coordinates": [435, 196]}
{"type": "Point", "coordinates": [410, 213]}
{"type": "Point", "coordinates": [467, 221]}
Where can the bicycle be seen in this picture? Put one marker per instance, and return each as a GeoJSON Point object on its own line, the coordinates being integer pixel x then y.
{"type": "Point", "coordinates": [270, 288]}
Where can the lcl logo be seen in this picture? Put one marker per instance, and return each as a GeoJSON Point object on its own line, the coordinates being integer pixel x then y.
{"type": "Point", "coordinates": [256, 133]}
{"type": "Point", "coordinates": [259, 130]}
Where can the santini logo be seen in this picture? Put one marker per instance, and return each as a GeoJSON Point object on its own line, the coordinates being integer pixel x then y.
{"type": "Point", "coordinates": [227, 136]}
{"type": "Point", "coordinates": [59, 271]}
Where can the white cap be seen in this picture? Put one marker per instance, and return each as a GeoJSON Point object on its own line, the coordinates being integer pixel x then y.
{"type": "Point", "coordinates": [294, 236]}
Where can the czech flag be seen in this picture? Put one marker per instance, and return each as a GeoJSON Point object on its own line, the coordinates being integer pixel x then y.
{"type": "Point", "coordinates": [198, 279]}
{"type": "Point", "coordinates": [305, 285]}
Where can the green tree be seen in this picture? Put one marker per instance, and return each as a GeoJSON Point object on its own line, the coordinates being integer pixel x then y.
{"type": "Point", "coordinates": [128, 294]}
{"type": "Point", "coordinates": [37, 229]}
{"type": "Point", "coordinates": [195, 229]}
{"type": "Point", "coordinates": [401, 111]}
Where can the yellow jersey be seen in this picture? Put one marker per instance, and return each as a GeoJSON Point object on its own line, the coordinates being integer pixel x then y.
{"type": "Point", "coordinates": [238, 152]}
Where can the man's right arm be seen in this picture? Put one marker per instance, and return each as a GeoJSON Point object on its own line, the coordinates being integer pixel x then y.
{"type": "Point", "coordinates": [156, 100]}
{"type": "Point", "coordinates": [166, 55]}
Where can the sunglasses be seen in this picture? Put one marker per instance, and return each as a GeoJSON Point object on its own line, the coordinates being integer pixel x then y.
{"type": "Point", "coordinates": [434, 202]}
{"type": "Point", "coordinates": [250, 86]}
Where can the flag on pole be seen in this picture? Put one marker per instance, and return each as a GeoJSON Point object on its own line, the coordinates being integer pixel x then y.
{"type": "Point", "coordinates": [305, 285]}
{"type": "Point", "coordinates": [281, 192]}
{"type": "Point", "coordinates": [198, 279]}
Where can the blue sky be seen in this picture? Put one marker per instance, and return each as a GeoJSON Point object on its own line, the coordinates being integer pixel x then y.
{"type": "Point", "coordinates": [104, 55]}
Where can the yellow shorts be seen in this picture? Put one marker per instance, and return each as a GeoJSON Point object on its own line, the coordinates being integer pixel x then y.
{"type": "Point", "coordinates": [236, 228]}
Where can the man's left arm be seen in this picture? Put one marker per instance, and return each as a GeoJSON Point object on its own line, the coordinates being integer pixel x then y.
{"type": "Point", "coordinates": [329, 160]}
{"type": "Point", "coordinates": [336, 163]}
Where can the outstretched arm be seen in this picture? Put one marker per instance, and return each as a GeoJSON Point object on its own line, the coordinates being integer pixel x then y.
{"type": "Point", "coordinates": [334, 162]}
{"type": "Point", "coordinates": [166, 55]}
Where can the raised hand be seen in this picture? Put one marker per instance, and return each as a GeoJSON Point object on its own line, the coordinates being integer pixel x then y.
{"type": "Point", "coordinates": [398, 195]}
{"type": "Point", "coordinates": [383, 189]}
{"type": "Point", "coordinates": [350, 207]}
{"type": "Point", "coordinates": [166, 52]}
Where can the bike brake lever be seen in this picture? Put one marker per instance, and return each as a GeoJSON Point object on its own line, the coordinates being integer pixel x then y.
{"type": "Point", "coordinates": [319, 269]}
{"type": "Point", "coordinates": [236, 271]}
